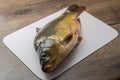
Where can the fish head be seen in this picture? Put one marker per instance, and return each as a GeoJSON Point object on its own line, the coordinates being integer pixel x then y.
{"type": "Point", "coordinates": [49, 52]}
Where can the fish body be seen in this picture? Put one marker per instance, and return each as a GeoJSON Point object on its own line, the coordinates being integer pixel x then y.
{"type": "Point", "coordinates": [58, 38]}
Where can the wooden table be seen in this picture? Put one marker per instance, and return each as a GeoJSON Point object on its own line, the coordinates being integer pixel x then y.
{"type": "Point", "coordinates": [104, 64]}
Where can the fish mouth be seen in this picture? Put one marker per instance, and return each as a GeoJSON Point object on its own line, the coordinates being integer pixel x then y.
{"type": "Point", "coordinates": [48, 68]}
{"type": "Point", "coordinates": [45, 65]}
{"type": "Point", "coordinates": [47, 60]}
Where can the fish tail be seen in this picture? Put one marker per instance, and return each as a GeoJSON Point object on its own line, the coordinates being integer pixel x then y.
{"type": "Point", "coordinates": [76, 8]}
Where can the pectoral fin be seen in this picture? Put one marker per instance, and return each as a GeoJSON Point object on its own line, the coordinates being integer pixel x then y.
{"type": "Point", "coordinates": [79, 39]}
{"type": "Point", "coordinates": [78, 19]}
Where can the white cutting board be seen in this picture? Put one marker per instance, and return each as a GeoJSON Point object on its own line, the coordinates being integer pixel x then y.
{"type": "Point", "coordinates": [95, 35]}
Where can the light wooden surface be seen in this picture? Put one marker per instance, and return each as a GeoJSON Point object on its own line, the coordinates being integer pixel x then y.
{"type": "Point", "coordinates": [104, 64]}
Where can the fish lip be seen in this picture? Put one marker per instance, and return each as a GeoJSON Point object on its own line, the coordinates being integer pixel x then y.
{"type": "Point", "coordinates": [47, 68]}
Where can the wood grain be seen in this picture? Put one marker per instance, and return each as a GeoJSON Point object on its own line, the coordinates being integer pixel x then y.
{"type": "Point", "coordinates": [104, 64]}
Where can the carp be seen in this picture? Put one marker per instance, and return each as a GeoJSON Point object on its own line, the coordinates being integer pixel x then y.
{"type": "Point", "coordinates": [58, 38]}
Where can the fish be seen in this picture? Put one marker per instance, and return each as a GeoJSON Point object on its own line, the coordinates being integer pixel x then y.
{"type": "Point", "coordinates": [58, 38]}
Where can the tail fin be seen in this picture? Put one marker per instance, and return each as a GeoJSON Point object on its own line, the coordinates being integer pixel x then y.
{"type": "Point", "coordinates": [76, 8]}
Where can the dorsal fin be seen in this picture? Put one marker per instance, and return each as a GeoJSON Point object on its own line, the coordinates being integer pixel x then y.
{"type": "Point", "coordinates": [76, 8]}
